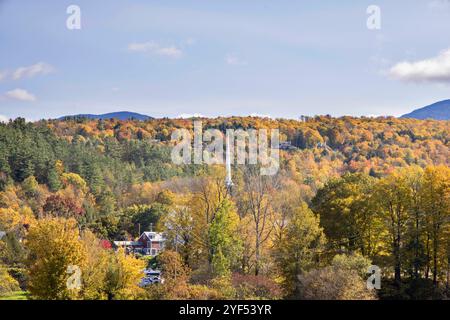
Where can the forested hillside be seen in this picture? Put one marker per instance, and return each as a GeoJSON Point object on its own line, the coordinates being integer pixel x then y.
{"type": "Point", "coordinates": [438, 111]}
{"type": "Point", "coordinates": [352, 193]}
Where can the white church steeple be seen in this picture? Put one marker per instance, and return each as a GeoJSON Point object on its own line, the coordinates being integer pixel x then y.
{"type": "Point", "coordinates": [228, 181]}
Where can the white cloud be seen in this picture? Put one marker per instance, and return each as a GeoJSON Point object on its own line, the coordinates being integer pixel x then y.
{"type": "Point", "coordinates": [233, 60]}
{"type": "Point", "coordinates": [40, 68]}
{"type": "Point", "coordinates": [436, 69]}
{"type": "Point", "coordinates": [155, 48]}
{"type": "Point", "coordinates": [3, 118]}
{"type": "Point", "coordinates": [189, 42]}
{"type": "Point", "coordinates": [188, 116]}
{"type": "Point", "coordinates": [439, 4]}
{"type": "Point", "coordinates": [20, 94]}
{"type": "Point", "coordinates": [3, 75]}
{"type": "Point", "coordinates": [258, 115]}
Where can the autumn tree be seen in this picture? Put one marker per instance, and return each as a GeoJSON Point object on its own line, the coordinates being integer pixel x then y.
{"type": "Point", "coordinates": [394, 196]}
{"type": "Point", "coordinates": [256, 197]}
{"type": "Point", "coordinates": [436, 206]}
{"type": "Point", "coordinates": [225, 245]}
{"type": "Point", "coordinates": [179, 231]}
{"type": "Point", "coordinates": [58, 206]}
{"type": "Point", "coordinates": [416, 255]}
{"type": "Point", "coordinates": [123, 275]}
{"type": "Point", "coordinates": [94, 271]}
{"type": "Point", "coordinates": [54, 246]}
{"type": "Point", "coordinates": [176, 276]}
{"type": "Point", "coordinates": [340, 281]}
{"type": "Point", "coordinates": [7, 283]}
{"type": "Point", "coordinates": [204, 203]}
{"type": "Point", "coordinates": [299, 248]}
{"type": "Point", "coordinates": [348, 214]}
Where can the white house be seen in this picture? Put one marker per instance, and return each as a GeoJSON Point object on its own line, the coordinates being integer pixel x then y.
{"type": "Point", "coordinates": [149, 243]}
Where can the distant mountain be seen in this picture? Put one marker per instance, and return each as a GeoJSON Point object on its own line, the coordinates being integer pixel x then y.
{"type": "Point", "coordinates": [438, 111]}
{"type": "Point", "coordinates": [121, 115]}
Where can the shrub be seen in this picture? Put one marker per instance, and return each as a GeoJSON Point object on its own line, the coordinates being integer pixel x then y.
{"type": "Point", "coordinates": [332, 283]}
{"type": "Point", "coordinates": [7, 283]}
{"type": "Point", "coordinates": [255, 287]}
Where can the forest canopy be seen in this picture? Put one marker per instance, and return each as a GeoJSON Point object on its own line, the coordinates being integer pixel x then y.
{"type": "Point", "coordinates": [351, 192]}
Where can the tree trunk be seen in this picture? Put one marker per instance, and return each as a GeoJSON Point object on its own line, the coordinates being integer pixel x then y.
{"type": "Point", "coordinates": [447, 285]}
{"type": "Point", "coordinates": [435, 257]}
{"type": "Point", "coordinates": [427, 271]}
{"type": "Point", "coordinates": [397, 256]}
{"type": "Point", "coordinates": [416, 248]}
{"type": "Point", "coordinates": [257, 254]}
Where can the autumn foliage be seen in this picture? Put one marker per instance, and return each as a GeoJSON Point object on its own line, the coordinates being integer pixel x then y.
{"type": "Point", "coordinates": [351, 192]}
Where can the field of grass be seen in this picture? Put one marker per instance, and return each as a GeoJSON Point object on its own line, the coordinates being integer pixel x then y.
{"type": "Point", "coordinates": [17, 295]}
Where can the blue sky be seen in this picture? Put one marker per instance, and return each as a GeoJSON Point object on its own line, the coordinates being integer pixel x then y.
{"type": "Point", "coordinates": [170, 58]}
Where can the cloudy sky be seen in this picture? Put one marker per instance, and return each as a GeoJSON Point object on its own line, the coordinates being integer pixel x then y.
{"type": "Point", "coordinates": [280, 58]}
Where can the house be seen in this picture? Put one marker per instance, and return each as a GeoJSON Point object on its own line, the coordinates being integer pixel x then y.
{"type": "Point", "coordinates": [129, 246]}
{"type": "Point", "coordinates": [287, 145]}
{"type": "Point", "coordinates": [153, 242]}
{"type": "Point", "coordinates": [149, 243]}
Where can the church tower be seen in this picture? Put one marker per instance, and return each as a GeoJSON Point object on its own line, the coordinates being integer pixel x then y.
{"type": "Point", "coordinates": [228, 181]}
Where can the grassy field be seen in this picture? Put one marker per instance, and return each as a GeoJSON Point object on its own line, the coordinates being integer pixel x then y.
{"type": "Point", "coordinates": [17, 295]}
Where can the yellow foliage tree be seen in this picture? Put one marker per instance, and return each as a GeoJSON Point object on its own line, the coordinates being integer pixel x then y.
{"type": "Point", "coordinates": [94, 271]}
{"type": "Point", "coordinates": [123, 275]}
{"type": "Point", "coordinates": [55, 248]}
{"type": "Point", "coordinates": [7, 283]}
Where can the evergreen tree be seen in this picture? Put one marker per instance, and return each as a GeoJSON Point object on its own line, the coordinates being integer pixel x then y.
{"type": "Point", "coordinates": [223, 240]}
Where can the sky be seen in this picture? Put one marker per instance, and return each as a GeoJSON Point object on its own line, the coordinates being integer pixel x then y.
{"type": "Point", "coordinates": [166, 58]}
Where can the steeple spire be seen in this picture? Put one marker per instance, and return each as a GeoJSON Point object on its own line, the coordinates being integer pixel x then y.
{"type": "Point", "coordinates": [228, 181]}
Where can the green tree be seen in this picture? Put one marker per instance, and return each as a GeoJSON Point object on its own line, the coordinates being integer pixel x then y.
{"type": "Point", "coordinates": [30, 186]}
{"type": "Point", "coordinates": [299, 248]}
{"type": "Point", "coordinates": [347, 213]}
{"type": "Point", "coordinates": [54, 182]}
{"type": "Point", "coordinates": [224, 242]}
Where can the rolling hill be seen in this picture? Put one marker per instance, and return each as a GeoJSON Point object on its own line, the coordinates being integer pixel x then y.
{"type": "Point", "coordinates": [121, 115]}
{"type": "Point", "coordinates": [438, 111]}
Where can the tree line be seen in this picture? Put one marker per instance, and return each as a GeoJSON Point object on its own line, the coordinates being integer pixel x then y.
{"type": "Point", "coordinates": [356, 192]}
